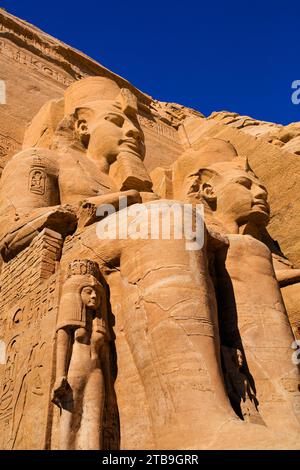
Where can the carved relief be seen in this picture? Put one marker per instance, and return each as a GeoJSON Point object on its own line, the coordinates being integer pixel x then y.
{"type": "Point", "coordinates": [83, 386]}
{"type": "Point", "coordinates": [8, 49]}
{"type": "Point", "coordinates": [177, 309]}
{"type": "Point", "coordinates": [159, 128]}
{"type": "Point", "coordinates": [37, 177]}
{"type": "Point", "coordinates": [8, 381]}
{"type": "Point", "coordinates": [28, 317]}
{"type": "Point", "coordinates": [26, 377]}
{"type": "Point", "coordinates": [7, 145]}
{"type": "Point", "coordinates": [23, 274]}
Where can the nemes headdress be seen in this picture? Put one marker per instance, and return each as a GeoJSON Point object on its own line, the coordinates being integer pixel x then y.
{"type": "Point", "coordinates": [93, 89]}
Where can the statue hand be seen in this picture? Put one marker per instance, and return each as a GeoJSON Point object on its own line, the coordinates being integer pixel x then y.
{"type": "Point", "coordinates": [60, 389]}
{"type": "Point", "coordinates": [87, 213]}
{"type": "Point", "coordinates": [133, 196]}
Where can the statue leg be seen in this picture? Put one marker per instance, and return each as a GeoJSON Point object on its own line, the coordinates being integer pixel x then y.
{"type": "Point", "coordinates": [70, 418]}
{"type": "Point", "coordinates": [71, 415]}
{"type": "Point", "coordinates": [92, 412]}
{"type": "Point", "coordinates": [168, 315]}
{"type": "Point", "coordinates": [170, 323]}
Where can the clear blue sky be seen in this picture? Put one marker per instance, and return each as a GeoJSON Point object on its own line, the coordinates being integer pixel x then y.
{"type": "Point", "coordinates": [211, 55]}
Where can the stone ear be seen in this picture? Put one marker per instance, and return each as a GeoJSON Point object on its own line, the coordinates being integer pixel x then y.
{"type": "Point", "coordinates": [82, 130]}
{"type": "Point", "coordinates": [81, 127]}
{"type": "Point", "coordinates": [81, 124]}
{"type": "Point", "coordinates": [208, 193]}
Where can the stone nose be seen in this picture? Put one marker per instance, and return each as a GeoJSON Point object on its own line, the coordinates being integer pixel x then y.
{"type": "Point", "coordinates": [131, 130]}
{"type": "Point", "coordinates": [259, 192]}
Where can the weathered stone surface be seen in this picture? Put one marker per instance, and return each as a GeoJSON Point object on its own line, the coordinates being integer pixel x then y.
{"type": "Point", "coordinates": [141, 342]}
{"type": "Point", "coordinates": [276, 167]}
{"type": "Point", "coordinates": [38, 68]}
{"type": "Point", "coordinates": [29, 303]}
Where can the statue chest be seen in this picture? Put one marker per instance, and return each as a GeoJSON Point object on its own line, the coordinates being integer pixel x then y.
{"type": "Point", "coordinates": [252, 277]}
{"type": "Point", "coordinates": [79, 178]}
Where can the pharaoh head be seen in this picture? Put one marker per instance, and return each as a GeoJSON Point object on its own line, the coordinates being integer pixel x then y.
{"type": "Point", "coordinates": [105, 118]}
{"type": "Point", "coordinates": [231, 191]}
{"type": "Point", "coordinates": [95, 114]}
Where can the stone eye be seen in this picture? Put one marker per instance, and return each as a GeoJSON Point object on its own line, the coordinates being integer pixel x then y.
{"type": "Point", "coordinates": [115, 119]}
{"type": "Point", "coordinates": [87, 290]}
{"type": "Point", "coordinates": [245, 182]}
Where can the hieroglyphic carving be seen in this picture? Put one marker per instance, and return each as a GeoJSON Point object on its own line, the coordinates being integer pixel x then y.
{"type": "Point", "coordinates": [27, 326]}
{"type": "Point", "coordinates": [24, 57]}
{"type": "Point", "coordinates": [37, 177]}
{"type": "Point", "coordinates": [7, 145]}
{"type": "Point", "coordinates": [7, 385]}
{"type": "Point", "coordinates": [159, 128]}
{"type": "Point", "coordinates": [31, 40]}
{"type": "Point", "coordinates": [24, 273]}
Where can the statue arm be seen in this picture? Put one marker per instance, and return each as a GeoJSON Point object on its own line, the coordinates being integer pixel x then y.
{"type": "Point", "coordinates": [60, 219]}
{"type": "Point", "coordinates": [87, 214]}
{"type": "Point", "coordinates": [63, 352]}
{"type": "Point", "coordinates": [132, 195]}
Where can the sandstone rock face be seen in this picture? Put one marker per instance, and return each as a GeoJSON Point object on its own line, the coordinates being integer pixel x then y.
{"type": "Point", "coordinates": [150, 265]}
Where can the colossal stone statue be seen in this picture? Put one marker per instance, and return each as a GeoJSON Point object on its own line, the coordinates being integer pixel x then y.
{"type": "Point", "coordinates": [98, 133]}
{"type": "Point", "coordinates": [175, 307]}
{"type": "Point", "coordinates": [252, 315]}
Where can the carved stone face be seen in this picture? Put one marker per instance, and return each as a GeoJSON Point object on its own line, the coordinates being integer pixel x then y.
{"type": "Point", "coordinates": [110, 131]}
{"type": "Point", "coordinates": [238, 196]}
{"type": "Point", "coordinates": [243, 195]}
{"type": "Point", "coordinates": [90, 297]}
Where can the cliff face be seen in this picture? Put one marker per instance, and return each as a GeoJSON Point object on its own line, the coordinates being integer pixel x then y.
{"type": "Point", "coordinates": [163, 360]}
{"type": "Point", "coordinates": [37, 67]}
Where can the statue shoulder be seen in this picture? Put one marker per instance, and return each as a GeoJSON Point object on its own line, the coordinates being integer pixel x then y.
{"type": "Point", "coordinates": [34, 172]}
{"type": "Point", "coordinates": [249, 244]}
{"type": "Point", "coordinates": [46, 158]}
{"type": "Point", "coordinates": [216, 238]}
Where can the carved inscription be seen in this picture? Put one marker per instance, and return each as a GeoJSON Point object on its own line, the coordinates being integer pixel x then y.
{"type": "Point", "coordinates": [7, 145]}
{"type": "Point", "coordinates": [37, 177]}
{"type": "Point", "coordinates": [159, 128]}
{"type": "Point", "coordinates": [28, 308]}
{"type": "Point", "coordinates": [24, 57]}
